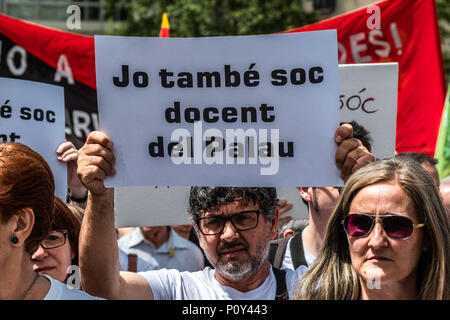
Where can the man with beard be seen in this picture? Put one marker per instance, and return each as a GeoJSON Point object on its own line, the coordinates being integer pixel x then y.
{"type": "Point", "coordinates": [234, 225]}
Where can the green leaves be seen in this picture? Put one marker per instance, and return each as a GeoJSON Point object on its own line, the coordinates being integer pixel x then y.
{"type": "Point", "coordinates": [199, 18]}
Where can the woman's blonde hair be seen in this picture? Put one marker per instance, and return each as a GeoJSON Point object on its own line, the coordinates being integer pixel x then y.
{"type": "Point", "coordinates": [332, 276]}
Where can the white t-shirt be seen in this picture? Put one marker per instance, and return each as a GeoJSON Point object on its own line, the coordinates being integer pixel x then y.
{"type": "Point", "coordinates": [59, 291]}
{"type": "Point", "coordinates": [202, 285]}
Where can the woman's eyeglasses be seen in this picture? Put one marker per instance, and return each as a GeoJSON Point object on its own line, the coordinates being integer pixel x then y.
{"type": "Point", "coordinates": [55, 239]}
{"type": "Point", "coordinates": [358, 225]}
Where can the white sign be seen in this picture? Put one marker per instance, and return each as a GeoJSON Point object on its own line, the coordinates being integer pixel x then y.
{"type": "Point", "coordinates": [151, 206]}
{"type": "Point", "coordinates": [144, 206]}
{"type": "Point", "coordinates": [32, 113]}
{"type": "Point", "coordinates": [368, 95]}
{"type": "Point", "coordinates": [223, 111]}
{"type": "Point", "coordinates": [164, 206]}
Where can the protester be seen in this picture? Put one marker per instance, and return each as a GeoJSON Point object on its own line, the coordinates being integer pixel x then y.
{"type": "Point", "coordinates": [59, 250]}
{"type": "Point", "coordinates": [26, 212]}
{"type": "Point", "coordinates": [303, 247]}
{"type": "Point", "coordinates": [396, 243]}
{"type": "Point", "coordinates": [162, 247]}
{"type": "Point", "coordinates": [427, 162]}
{"type": "Point", "coordinates": [98, 246]}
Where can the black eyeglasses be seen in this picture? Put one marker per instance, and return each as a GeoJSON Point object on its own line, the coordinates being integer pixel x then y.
{"type": "Point", "coordinates": [241, 221]}
{"type": "Point", "coordinates": [398, 227]}
{"type": "Point", "coordinates": [55, 239]}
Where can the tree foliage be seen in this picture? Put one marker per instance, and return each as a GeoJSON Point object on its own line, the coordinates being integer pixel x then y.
{"type": "Point", "coordinates": [198, 18]}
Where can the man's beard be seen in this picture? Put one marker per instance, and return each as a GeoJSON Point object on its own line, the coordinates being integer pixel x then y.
{"type": "Point", "coordinates": [236, 270]}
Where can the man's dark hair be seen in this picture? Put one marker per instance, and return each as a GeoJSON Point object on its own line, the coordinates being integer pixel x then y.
{"type": "Point", "coordinates": [419, 157]}
{"type": "Point", "coordinates": [202, 199]}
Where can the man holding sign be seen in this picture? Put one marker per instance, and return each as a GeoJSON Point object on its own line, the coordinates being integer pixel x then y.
{"type": "Point", "coordinates": [232, 240]}
{"type": "Point", "coordinates": [223, 111]}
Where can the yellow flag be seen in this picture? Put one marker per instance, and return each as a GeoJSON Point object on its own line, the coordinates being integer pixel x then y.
{"type": "Point", "coordinates": [165, 28]}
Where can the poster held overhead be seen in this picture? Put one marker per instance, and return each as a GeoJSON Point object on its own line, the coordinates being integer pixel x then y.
{"type": "Point", "coordinates": [367, 95]}
{"type": "Point", "coordinates": [196, 111]}
{"type": "Point", "coordinates": [376, 87]}
{"type": "Point", "coordinates": [32, 113]}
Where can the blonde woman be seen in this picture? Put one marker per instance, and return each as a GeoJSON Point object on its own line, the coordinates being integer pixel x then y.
{"type": "Point", "coordinates": [388, 238]}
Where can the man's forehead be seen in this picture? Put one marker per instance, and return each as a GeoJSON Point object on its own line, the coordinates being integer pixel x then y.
{"type": "Point", "coordinates": [238, 204]}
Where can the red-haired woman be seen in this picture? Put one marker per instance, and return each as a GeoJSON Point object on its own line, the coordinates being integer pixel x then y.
{"type": "Point", "coordinates": [58, 253]}
{"type": "Point", "coordinates": [26, 213]}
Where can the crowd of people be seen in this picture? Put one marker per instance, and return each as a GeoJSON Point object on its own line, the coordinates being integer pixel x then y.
{"type": "Point", "coordinates": [384, 235]}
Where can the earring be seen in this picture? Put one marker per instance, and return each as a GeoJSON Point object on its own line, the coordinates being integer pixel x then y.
{"type": "Point", "coordinates": [14, 240]}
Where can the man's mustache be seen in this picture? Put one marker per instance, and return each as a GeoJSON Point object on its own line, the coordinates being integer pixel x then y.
{"type": "Point", "coordinates": [229, 245]}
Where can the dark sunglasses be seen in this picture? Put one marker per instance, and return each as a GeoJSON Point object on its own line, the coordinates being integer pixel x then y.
{"type": "Point", "coordinates": [358, 225]}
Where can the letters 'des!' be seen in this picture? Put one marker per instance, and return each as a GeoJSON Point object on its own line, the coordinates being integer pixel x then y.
{"type": "Point", "coordinates": [221, 110]}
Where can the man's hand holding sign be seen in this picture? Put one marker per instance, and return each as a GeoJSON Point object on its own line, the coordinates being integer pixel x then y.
{"type": "Point", "coordinates": [351, 154]}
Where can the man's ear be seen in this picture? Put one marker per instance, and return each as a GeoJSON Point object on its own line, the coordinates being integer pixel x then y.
{"type": "Point", "coordinates": [24, 223]}
{"type": "Point", "coordinates": [274, 227]}
{"type": "Point", "coordinates": [288, 233]}
{"type": "Point", "coordinates": [304, 193]}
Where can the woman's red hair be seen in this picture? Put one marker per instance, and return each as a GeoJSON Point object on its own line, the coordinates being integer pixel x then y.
{"type": "Point", "coordinates": [26, 181]}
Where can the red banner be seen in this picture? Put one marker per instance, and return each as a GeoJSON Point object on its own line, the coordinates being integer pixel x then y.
{"type": "Point", "coordinates": [403, 31]}
{"type": "Point", "coordinates": [33, 52]}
